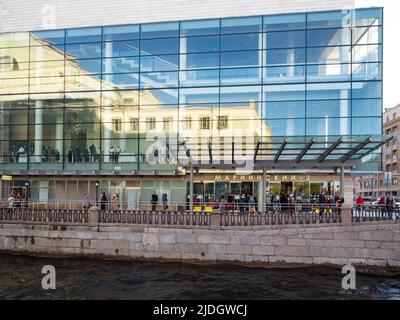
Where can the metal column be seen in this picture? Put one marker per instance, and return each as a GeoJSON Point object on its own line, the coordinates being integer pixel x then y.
{"type": "Point", "coordinates": [191, 190]}
{"type": "Point", "coordinates": [342, 182]}
{"type": "Point", "coordinates": [264, 198]}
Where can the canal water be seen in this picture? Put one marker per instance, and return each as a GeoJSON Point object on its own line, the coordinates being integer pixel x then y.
{"type": "Point", "coordinates": [20, 278]}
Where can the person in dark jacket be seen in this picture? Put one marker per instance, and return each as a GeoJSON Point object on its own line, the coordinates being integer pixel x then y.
{"type": "Point", "coordinates": [322, 202]}
{"type": "Point", "coordinates": [165, 201]}
{"type": "Point", "coordinates": [154, 201]}
{"type": "Point", "coordinates": [103, 201]}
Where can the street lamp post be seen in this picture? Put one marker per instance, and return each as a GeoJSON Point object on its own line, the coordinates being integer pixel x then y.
{"type": "Point", "coordinates": [97, 194]}
{"type": "Point", "coordinates": [27, 193]}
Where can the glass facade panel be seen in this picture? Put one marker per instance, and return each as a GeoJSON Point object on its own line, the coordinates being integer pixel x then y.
{"type": "Point", "coordinates": [328, 37]}
{"type": "Point", "coordinates": [285, 22]}
{"type": "Point", "coordinates": [159, 30]}
{"type": "Point", "coordinates": [285, 39]}
{"type": "Point", "coordinates": [369, 17]}
{"type": "Point", "coordinates": [241, 25]}
{"type": "Point", "coordinates": [196, 28]}
{"type": "Point", "coordinates": [331, 19]}
{"type": "Point", "coordinates": [86, 98]}
{"type": "Point", "coordinates": [83, 35]}
{"type": "Point", "coordinates": [121, 33]}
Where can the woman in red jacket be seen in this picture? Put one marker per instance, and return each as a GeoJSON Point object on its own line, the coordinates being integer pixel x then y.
{"type": "Point", "coordinates": [359, 203]}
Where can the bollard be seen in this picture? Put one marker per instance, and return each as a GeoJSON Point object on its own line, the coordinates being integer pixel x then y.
{"type": "Point", "coordinates": [347, 216]}
{"type": "Point", "coordinates": [93, 216]}
{"type": "Point", "coordinates": [215, 221]}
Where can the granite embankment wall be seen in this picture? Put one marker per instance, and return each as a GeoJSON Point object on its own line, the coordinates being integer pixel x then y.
{"type": "Point", "coordinates": [376, 244]}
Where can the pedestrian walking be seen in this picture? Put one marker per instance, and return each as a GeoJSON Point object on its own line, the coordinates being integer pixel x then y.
{"type": "Point", "coordinates": [222, 204]}
{"type": "Point", "coordinates": [11, 201]}
{"type": "Point", "coordinates": [115, 202]}
{"type": "Point", "coordinates": [154, 201]}
{"type": "Point", "coordinates": [85, 202]}
{"type": "Point", "coordinates": [165, 201]}
{"type": "Point", "coordinates": [103, 201]}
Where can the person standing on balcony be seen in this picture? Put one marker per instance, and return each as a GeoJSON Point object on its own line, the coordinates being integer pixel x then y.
{"type": "Point", "coordinates": [117, 153]}
{"type": "Point", "coordinates": [112, 154]}
{"type": "Point", "coordinates": [93, 151]}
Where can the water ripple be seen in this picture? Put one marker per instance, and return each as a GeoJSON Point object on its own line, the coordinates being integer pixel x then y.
{"type": "Point", "coordinates": [20, 278]}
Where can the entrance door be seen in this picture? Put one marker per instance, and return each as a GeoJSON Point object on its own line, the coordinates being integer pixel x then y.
{"type": "Point", "coordinates": [20, 195]}
{"type": "Point", "coordinates": [247, 188]}
{"type": "Point", "coordinates": [287, 188]}
{"type": "Point", "coordinates": [132, 198]}
{"type": "Point", "coordinates": [235, 191]}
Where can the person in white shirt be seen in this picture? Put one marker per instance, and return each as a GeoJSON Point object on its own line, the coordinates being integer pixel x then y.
{"type": "Point", "coordinates": [11, 201]}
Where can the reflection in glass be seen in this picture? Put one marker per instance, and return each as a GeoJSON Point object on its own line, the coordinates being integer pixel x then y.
{"type": "Point", "coordinates": [86, 98]}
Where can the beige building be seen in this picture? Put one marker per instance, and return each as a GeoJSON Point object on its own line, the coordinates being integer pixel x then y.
{"type": "Point", "coordinates": [374, 185]}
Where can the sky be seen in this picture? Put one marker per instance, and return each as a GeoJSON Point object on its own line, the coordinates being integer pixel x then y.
{"type": "Point", "coordinates": [391, 49]}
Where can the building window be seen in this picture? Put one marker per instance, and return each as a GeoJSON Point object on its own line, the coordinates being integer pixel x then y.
{"type": "Point", "coordinates": [222, 122]}
{"type": "Point", "coordinates": [134, 123]}
{"type": "Point", "coordinates": [8, 63]}
{"type": "Point", "coordinates": [205, 123]}
{"type": "Point", "coordinates": [167, 123]}
{"type": "Point", "coordinates": [117, 125]}
{"type": "Point", "coordinates": [150, 123]}
{"type": "Point", "coordinates": [187, 123]}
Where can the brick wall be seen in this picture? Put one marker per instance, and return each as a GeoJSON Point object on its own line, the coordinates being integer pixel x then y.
{"type": "Point", "coordinates": [370, 244]}
{"type": "Point", "coordinates": [32, 15]}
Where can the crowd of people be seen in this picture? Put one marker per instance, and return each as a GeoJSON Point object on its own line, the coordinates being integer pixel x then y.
{"type": "Point", "coordinates": [386, 204]}
{"type": "Point", "coordinates": [115, 153]}
{"type": "Point", "coordinates": [50, 154]}
{"type": "Point", "coordinates": [82, 155]}
{"type": "Point", "coordinates": [16, 153]}
{"type": "Point", "coordinates": [16, 200]}
{"type": "Point", "coordinates": [321, 203]}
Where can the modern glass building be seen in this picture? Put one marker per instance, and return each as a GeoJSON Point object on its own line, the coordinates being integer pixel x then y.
{"type": "Point", "coordinates": [126, 108]}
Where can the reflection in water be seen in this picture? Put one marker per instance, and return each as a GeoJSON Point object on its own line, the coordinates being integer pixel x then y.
{"type": "Point", "coordinates": [20, 278]}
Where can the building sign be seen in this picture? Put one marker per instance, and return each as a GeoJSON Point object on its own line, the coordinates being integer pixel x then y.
{"type": "Point", "coordinates": [259, 178]}
{"type": "Point", "coordinates": [6, 178]}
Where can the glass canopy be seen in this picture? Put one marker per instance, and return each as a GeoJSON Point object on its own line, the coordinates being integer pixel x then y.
{"type": "Point", "coordinates": [281, 152]}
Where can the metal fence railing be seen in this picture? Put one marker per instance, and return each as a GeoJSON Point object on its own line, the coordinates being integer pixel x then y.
{"type": "Point", "coordinates": [154, 217]}
{"type": "Point", "coordinates": [44, 215]}
{"type": "Point", "coordinates": [370, 213]}
{"type": "Point", "coordinates": [316, 214]}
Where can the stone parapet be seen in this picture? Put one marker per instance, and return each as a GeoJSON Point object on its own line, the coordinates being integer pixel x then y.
{"type": "Point", "coordinates": [372, 244]}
